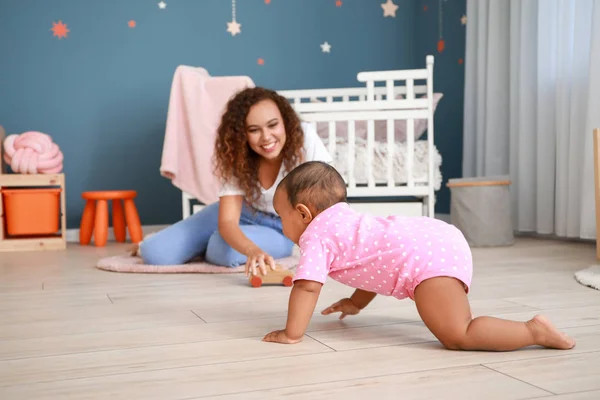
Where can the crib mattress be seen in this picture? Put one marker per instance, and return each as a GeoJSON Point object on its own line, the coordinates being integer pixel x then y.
{"type": "Point", "coordinates": [420, 168]}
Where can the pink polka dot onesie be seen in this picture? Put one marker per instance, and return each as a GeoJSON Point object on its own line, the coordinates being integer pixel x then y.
{"type": "Point", "coordinates": [388, 256]}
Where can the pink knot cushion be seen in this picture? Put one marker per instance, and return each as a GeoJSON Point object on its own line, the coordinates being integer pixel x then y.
{"type": "Point", "coordinates": [32, 153]}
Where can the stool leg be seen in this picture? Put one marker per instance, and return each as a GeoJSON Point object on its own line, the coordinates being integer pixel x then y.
{"type": "Point", "coordinates": [101, 228]}
{"type": "Point", "coordinates": [86, 227]}
{"type": "Point", "coordinates": [118, 217]}
{"type": "Point", "coordinates": [133, 221]}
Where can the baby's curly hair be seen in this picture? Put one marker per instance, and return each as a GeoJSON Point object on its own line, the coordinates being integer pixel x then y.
{"type": "Point", "coordinates": [233, 155]}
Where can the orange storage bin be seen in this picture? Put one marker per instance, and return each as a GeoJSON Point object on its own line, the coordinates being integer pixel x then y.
{"type": "Point", "coordinates": [31, 211]}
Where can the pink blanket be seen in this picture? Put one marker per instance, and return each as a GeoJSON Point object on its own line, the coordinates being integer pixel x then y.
{"type": "Point", "coordinates": [195, 107]}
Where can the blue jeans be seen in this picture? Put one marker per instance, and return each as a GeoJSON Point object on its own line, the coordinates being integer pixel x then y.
{"type": "Point", "coordinates": [198, 235]}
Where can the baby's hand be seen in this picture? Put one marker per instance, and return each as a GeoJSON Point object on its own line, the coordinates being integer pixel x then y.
{"type": "Point", "coordinates": [345, 306]}
{"type": "Point", "coordinates": [279, 337]}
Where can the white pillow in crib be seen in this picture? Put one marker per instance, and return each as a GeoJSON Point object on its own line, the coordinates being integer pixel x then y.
{"type": "Point", "coordinates": [360, 129]}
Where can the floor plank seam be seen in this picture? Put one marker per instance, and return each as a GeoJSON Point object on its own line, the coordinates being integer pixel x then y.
{"type": "Point", "coordinates": [318, 341]}
{"type": "Point", "coordinates": [339, 328]}
{"type": "Point", "coordinates": [465, 365]}
{"type": "Point", "coordinates": [335, 381]}
{"type": "Point", "coordinates": [336, 328]}
{"type": "Point", "coordinates": [558, 308]}
{"type": "Point", "coordinates": [201, 341]}
{"type": "Point", "coordinates": [521, 304]}
{"type": "Point", "coordinates": [391, 345]}
{"type": "Point", "coordinates": [106, 332]}
{"type": "Point", "coordinates": [144, 347]}
{"type": "Point", "coordinates": [242, 338]}
{"type": "Point", "coordinates": [201, 319]}
{"type": "Point", "coordinates": [163, 369]}
{"type": "Point", "coordinates": [520, 380]}
{"type": "Point", "coordinates": [320, 330]}
{"type": "Point", "coordinates": [566, 393]}
{"type": "Point", "coordinates": [566, 353]}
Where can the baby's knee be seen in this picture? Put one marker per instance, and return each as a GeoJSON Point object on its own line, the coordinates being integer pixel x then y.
{"type": "Point", "coordinates": [455, 339]}
{"type": "Point", "coordinates": [451, 344]}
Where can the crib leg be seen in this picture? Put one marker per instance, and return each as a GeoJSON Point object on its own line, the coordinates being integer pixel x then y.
{"type": "Point", "coordinates": [429, 206]}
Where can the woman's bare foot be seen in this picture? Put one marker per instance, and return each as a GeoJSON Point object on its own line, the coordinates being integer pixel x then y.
{"type": "Point", "coordinates": [545, 334]}
{"type": "Point", "coordinates": [134, 250]}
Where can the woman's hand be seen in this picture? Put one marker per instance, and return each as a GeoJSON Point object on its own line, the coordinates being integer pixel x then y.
{"type": "Point", "coordinates": [230, 210]}
{"type": "Point", "coordinates": [260, 259]}
{"type": "Point", "coordinates": [345, 306]}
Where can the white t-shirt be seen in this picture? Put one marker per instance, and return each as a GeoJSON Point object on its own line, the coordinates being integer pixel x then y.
{"type": "Point", "coordinates": [314, 150]}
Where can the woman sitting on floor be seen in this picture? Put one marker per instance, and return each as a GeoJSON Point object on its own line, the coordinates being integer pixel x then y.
{"type": "Point", "coordinates": [260, 139]}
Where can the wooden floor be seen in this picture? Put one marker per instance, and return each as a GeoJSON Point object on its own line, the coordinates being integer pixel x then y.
{"type": "Point", "coordinates": [70, 331]}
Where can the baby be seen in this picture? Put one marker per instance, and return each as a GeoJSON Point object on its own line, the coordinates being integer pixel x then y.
{"type": "Point", "coordinates": [421, 258]}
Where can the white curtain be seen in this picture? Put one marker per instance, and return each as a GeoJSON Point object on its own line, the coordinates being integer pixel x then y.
{"type": "Point", "coordinates": [532, 99]}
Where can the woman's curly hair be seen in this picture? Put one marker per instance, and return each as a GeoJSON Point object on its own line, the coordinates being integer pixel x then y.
{"type": "Point", "coordinates": [233, 156]}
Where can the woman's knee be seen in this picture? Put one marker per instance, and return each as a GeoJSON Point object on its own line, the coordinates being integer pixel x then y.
{"type": "Point", "coordinates": [219, 252]}
{"type": "Point", "coordinates": [182, 241]}
{"type": "Point", "coordinates": [152, 253]}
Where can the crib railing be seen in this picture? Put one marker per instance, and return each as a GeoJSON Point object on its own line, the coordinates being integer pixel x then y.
{"type": "Point", "coordinates": [371, 103]}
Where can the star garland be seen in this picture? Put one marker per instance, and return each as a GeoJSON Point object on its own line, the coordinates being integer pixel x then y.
{"type": "Point", "coordinates": [389, 9]}
{"type": "Point", "coordinates": [233, 27]}
{"type": "Point", "coordinates": [441, 45]}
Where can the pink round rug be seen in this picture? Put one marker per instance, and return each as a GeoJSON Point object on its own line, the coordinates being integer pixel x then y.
{"type": "Point", "coordinates": [133, 264]}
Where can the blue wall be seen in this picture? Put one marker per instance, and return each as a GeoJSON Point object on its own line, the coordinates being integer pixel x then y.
{"type": "Point", "coordinates": [102, 92]}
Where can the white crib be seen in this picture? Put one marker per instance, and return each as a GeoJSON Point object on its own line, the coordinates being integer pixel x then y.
{"type": "Point", "coordinates": [377, 167]}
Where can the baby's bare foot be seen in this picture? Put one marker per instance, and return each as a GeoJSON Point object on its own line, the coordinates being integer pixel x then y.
{"type": "Point", "coordinates": [545, 334]}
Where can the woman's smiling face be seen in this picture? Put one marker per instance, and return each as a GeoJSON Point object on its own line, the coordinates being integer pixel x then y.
{"type": "Point", "coordinates": [265, 129]}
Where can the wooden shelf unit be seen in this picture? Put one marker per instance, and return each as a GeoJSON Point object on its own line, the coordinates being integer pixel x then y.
{"type": "Point", "coordinates": [52, 242]}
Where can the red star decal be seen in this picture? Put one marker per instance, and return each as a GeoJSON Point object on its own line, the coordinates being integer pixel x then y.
{"type": "Point", "coordinates": [59, 29]}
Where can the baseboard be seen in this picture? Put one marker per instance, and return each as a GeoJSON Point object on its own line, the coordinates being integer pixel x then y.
{"type": "Point", "coordinates": [73, 234]}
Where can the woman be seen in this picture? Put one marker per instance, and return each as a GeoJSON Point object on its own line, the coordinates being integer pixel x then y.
{"type": "Point", "coordinates": [259, 141]}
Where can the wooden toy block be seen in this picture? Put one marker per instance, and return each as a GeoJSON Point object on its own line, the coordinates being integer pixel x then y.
{"type": "Point", "coordinates": [278, 276]}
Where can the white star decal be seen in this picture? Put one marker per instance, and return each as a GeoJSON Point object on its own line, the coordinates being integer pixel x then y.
{"type": "Point", "coordinates": [389, 9]}
{"type": "Point", "coordinates": [233, 27]}
{"type": "Point", "coordinates": [162, 5]}
{"type": "Point", "coordinates": [326, 48]}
